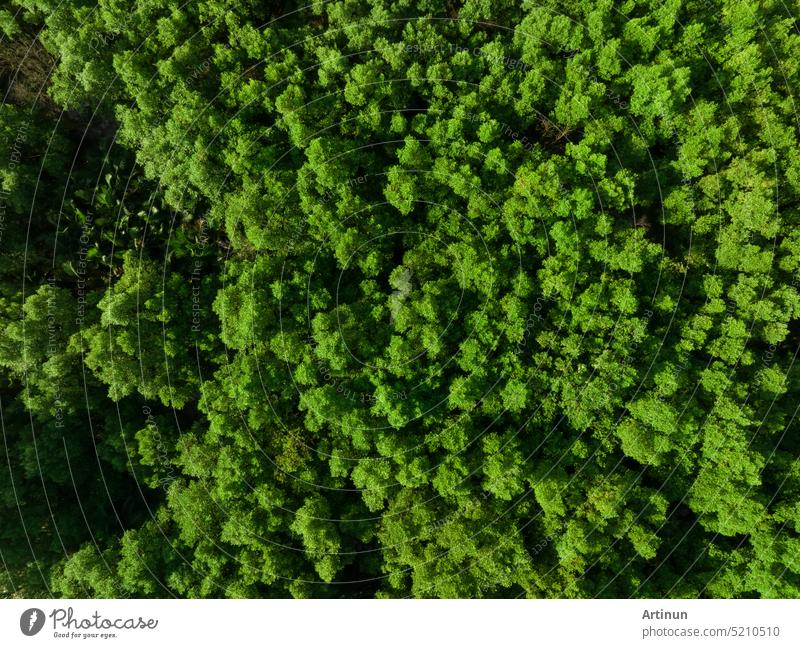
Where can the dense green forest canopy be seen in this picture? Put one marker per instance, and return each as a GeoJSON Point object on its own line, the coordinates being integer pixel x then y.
{"type": "Point", "coordinates": [382, 298]}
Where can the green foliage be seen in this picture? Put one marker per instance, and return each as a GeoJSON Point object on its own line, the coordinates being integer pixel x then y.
{"type": "Point", "coordinates": [356, 300]}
